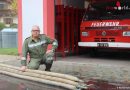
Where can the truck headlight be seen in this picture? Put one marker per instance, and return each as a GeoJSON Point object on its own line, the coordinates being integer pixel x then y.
{"type": "Point", "coordinates": [84, 33]}
{"type": "Point", "coordinates": [126, 33]}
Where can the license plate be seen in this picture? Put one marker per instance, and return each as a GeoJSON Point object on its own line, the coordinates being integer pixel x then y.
{"type": "Point", "coordinates": [102, 44]}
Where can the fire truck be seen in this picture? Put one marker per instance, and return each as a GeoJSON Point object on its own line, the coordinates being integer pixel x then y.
{"type": "Point", "coordinates": [106, 25]}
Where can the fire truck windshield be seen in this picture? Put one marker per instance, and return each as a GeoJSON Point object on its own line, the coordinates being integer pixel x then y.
{"type": "Point", "coordinates": [107, 11]}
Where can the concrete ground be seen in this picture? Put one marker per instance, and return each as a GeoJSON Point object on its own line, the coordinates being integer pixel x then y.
{"type": "Point", "coordinates": [107, 67]}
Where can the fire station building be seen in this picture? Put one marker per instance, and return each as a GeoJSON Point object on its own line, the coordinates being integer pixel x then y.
{"type": "Point", "coordinates": [76, 23]}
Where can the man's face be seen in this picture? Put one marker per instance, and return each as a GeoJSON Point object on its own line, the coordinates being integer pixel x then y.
{"type": "Point", "coordinates": [35, 31]}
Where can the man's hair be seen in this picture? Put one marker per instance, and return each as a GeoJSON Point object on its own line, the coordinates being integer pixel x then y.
{"type": "Point", "coordinates": [35, 26]}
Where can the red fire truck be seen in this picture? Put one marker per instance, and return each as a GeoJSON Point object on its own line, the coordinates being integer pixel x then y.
{"type": "Point", "coordinates": [106, 25]}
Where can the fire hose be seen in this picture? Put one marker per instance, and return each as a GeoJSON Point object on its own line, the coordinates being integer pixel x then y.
{"type": "Point", "coordinates": [50, 78]}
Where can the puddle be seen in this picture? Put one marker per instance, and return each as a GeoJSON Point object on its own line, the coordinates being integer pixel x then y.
{"type": "Point", "coordinates": [105, 85]}
{"type": "Point", "coordinates": [11, 83]}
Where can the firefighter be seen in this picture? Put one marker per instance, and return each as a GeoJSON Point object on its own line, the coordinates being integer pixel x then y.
{"type": "Point", "coordinates": [36, 46]}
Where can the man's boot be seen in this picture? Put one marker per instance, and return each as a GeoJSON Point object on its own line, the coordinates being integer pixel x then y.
{"type": "Point", "coordinates": [49, 60]}
{"type": "Point", "coordinates": [48, 67]}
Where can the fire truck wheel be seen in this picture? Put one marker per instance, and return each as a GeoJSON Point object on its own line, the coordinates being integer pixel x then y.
{"type": "Point", "coordinates": [94, 52]}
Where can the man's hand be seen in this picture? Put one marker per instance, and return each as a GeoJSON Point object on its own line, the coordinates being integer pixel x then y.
{"type": "Point", "coordinates": [23, 68]}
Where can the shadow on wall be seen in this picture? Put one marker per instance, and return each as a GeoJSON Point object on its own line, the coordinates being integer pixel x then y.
{"type": "Point", "coordinates": [9, 38]}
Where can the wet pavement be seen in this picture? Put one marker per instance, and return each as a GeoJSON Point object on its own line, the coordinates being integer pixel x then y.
{"type": "Point", "coordinates": [105, 85]}
{"type": "Point", "coordinates": [11, 83]}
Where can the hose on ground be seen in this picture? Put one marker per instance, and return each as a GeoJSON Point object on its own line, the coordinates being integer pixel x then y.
{"type": "Point", "coordinates": [69, 77]}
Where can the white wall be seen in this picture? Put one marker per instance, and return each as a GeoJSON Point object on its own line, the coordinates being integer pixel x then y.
{"type": "Point", "coordinates": [15, 20]}
{"type": "Point", "coordinates": [32, 14]}
{"type": "Point", "coordinates": [1, 20]}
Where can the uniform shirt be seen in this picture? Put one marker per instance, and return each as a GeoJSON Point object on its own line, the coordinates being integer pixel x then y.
{"type": "Point", "coordinates": [36, 49]}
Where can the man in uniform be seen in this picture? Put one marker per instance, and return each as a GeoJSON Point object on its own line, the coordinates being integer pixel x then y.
{"type": "Point", "coordinates": [36, 47]}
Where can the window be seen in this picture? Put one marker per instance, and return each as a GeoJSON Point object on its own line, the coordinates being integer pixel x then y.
{"type": "Point", "coordinates": [107, 11]}
{"type": "Point", "coordinates": [8, 20]}
{"type": "Point", "coordinates": [1, 6]}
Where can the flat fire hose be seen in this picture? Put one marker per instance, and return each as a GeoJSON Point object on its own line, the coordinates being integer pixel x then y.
{"type": "Point", "coordinates": [50, 78]}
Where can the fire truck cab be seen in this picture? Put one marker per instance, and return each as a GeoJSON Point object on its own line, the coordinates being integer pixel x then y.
{"type": "Point", "coordinates": [106, 25]}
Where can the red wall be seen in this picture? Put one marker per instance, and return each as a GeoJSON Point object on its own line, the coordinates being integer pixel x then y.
{"type": "Point", "coordinates": [49, 18]}
{"type": "Point", "coordinates": [19, 26]}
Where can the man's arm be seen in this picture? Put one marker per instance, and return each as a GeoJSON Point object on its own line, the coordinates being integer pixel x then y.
{"type": "Point", "coordinates": [53, 42]}
{"type": "Point", "coordinates": [24, 55]}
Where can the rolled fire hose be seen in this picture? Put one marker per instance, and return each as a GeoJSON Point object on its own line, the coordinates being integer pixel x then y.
{"type": "Point", "coordinates": [69, 77]}
{"type": "Point", "coordinates": [51, 78]}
